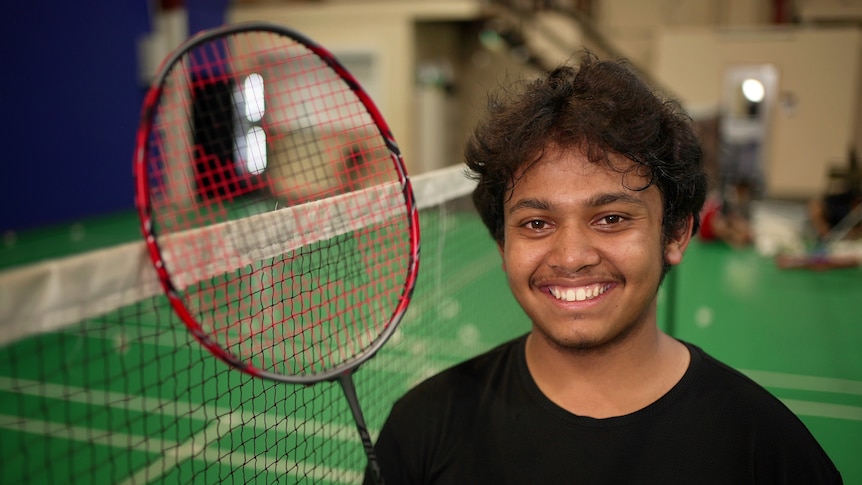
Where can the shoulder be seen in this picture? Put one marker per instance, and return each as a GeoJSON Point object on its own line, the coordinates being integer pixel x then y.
{"type": "Point", "coordinates": [722, 377]}
{"type": "Point", "coordinates": [426, 426]}
{"type": "Point", "coordinates": [466, 380]}
{"type": "Point", "coordinates": [736, 403]}
{"type": "Point", "coordinates": [735, 408]}
{"type": "Point", "coordinates": [449, 400]}
{"type": "Point", "coordinates": [727, 386]}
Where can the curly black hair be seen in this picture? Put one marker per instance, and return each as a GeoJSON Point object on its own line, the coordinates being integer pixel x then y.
{"type": "Point", "coordinates": [602, 107]}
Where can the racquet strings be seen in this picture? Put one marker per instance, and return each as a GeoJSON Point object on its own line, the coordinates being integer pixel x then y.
{"type": "Point", "coordinates": [276, 205]}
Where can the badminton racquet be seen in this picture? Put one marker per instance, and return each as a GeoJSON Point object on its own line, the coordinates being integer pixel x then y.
{"type": "Point", "coordinates": [276, 207]}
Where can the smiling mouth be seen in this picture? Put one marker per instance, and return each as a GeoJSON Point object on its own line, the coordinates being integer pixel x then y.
{"type": "Point", "coordinates": [580, 293]}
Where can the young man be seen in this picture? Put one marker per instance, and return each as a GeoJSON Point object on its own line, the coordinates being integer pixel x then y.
{"type": "Point", "coordinates": [591, 186]}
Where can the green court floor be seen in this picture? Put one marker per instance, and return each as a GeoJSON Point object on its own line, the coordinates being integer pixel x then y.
{"type": "Point", "coordinates": [129, 397]}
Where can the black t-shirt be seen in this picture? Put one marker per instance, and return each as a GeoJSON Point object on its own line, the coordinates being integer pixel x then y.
{"type": "Point", "coordinates": [486, 422]}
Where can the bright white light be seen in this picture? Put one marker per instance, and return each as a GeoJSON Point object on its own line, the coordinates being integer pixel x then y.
{"type": "Point", "coordinates": [753, 90]}
{"type": "Point", "coordinates": [255, 150]}
{"type": "Point", "coordinates": [252, 92]}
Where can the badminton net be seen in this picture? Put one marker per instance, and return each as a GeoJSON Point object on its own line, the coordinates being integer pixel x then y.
{"type": "Point", "coordinates": [101, 383]}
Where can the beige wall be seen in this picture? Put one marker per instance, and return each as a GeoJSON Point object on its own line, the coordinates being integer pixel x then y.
{"type": "Point", "coordinates": [475, 70]}
{"type": "Point", "coordinates": [633, 26]}
{"type": "Point", "coordinates": [384, 28]}
{"type": "Point", "coordinates": [819, 68]}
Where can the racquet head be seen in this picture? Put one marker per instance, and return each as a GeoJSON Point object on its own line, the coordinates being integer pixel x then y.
{"type": "Point", "coordinates": [275, 204]}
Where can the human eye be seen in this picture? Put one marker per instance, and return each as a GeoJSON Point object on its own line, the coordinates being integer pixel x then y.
{"type": "Point", "coordinates": [611, 220]}
{"type": "Point", "coordinates": [536, 225]}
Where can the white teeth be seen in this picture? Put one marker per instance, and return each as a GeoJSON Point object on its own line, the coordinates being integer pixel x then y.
{"type": "Point", "coordinates": [580, 294]}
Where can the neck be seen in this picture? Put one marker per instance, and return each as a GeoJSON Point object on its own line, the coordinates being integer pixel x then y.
{"type": "Point", "coordinates": [611, 380]}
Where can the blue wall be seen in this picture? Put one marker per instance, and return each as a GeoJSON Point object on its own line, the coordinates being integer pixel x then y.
{"type": "Point", "coordinates": [72, 96]}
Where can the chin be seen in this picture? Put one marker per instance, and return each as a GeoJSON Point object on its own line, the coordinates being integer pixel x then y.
{"type": "Point", "coordinates": [570, 341]}
{"type": "Point", "coordinates": [583, 343]}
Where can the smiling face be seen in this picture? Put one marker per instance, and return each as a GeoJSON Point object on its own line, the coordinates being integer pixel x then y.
{"type": "Point", "coordinates": [583, 252]}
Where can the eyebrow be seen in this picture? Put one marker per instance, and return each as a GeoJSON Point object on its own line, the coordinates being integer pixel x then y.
{"type": "Point", "coordinates": [595, 201]}
{"type": "Point", "coordinates": [538, 204]}
{"type": "Point", "coordinates": [614, 197]}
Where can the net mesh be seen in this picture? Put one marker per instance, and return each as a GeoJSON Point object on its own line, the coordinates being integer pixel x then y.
{"type": "Point", "coordinates": [126, 395]}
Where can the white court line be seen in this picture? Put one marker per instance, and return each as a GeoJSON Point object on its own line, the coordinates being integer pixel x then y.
{"type": "Point", "coordinates": [798, 382]}
{"type": "Point", "coordinates": [804, 382]}
{"type": "Point", "coordinates": [162, 407]}
{"type": "Point", "coordinates": [824, 410]}
{"type": "Point", "coordinates": [171, 454]}
{"type": "Point", "coordinates": [197, 445]}
{"type": "Point", "coordinates": [68, 432]}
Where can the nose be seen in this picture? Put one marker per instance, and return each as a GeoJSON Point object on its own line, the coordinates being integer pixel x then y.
{"type": "Point", "coordinates": [574, 248]}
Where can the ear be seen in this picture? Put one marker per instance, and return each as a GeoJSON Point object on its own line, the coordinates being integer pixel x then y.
{"type": "Point", "coordinates": [501, 249]}
{"type": "Point", "coordinates": [677, 244]}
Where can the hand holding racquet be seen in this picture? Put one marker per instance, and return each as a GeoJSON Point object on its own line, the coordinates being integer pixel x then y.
{"type": "Point", "coordinates": [276, 207]}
